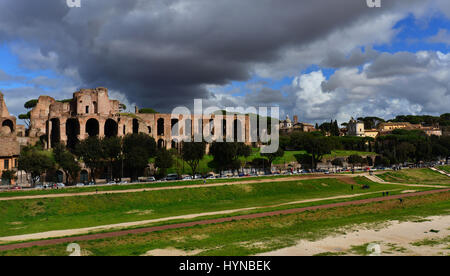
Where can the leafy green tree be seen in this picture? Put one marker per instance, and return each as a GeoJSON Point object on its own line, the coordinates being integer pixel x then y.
{"type": "Point", "coordinates": [226, 155]}
{"type": "Point", "coordinates": [35, 162]}
{"type": "Point", "coordinates": [147, 111]}
{"type": "Point", "coordinates": [91, 153]}
{"type": "Point", "coordinates": [30, 104]}
{"type": "Point", "coordinates": [272, 156]}
{"type": "Point", "coordinates": [164, 160]}
{"type": "Point", "coordinates": [66, 161]}
{"type": "Point", "coordinates": [112, 152]}
{"type": "Point", "coordinates": [138, 148]}
{"type": "Point", "coordinates": [405, 151]}
{"type": "Point", "coordinates": [8, 176]}
{"type": "Point", "coordinates": [337, 162]}
{"type": "Point", "coordinates": [355, 159]}
{"type": "Point", "coordinates": [192, 153]}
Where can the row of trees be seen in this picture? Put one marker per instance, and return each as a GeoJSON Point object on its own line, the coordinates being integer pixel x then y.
{"type": "Point", "coordinates": [399, 147]}
{"type": "Point", "coordinates": [116, 156]}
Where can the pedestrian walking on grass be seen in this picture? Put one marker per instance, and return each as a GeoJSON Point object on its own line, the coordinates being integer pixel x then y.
{"type": "Point", "coordinates": [383, 193]}
{"type": "Point", "coordinates": [352, 187]}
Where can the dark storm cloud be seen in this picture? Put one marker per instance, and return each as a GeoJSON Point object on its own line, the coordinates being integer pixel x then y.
{"type": "Point", "coordinates": [163, 53]}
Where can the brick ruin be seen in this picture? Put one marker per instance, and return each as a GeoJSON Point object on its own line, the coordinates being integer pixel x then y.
{"type": "Point", "coordinates": [9, 144]}
{"type": "Point", "coordinates": [91, 113]}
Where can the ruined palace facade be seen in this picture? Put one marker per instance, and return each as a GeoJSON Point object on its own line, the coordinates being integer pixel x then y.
{"type": "Point", "coordinates": [9, 144]}
{"type": "Point", "coordinates": [91, 113]}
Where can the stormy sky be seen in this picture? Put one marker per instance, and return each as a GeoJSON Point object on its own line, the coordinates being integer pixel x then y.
{"type": "Point", "coordinates": [319, 59]}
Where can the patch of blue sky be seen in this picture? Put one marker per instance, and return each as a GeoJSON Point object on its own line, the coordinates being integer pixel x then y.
{"type": "Point", "coordinates": [413, 35]}
{"type": "Point", "coordinates": [10, 64]}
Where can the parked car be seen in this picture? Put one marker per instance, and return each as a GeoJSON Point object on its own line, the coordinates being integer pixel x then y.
{"type": "Point", "coordinates": [151, 179]}
{"type": "Point", "coordinates": [172, 177]}
{"type": "Point", "coordinates": [186, 177]}
{"type": "Point", "coordinates": [60, 185]}
{"type": "Point", "coordinates": [16, 188]}
{"type": "Point", "coordinates": [80, 185]}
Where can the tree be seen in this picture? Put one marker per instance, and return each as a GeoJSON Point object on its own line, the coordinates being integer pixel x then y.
{"type": "Point", "coordinates": [226, 155]}
{"type": "Point", "coordinates": [163, 161]}
{"type": "Point", "coordinates": [67, 162]}
{"type": "Point", "coordinates": [35, 162]}
{"type": "Point", "coordinates": [405, 151]}
{"type": "Point", "coordinates": [90, 151]}
{"type": "Point", "coordinates": [112, 152]}
{"type": "Point", "coordinates": [147, 111]}
{"type": "Point", "coordinates": [192, 153]}
{"type": "Point", "coordinates": [26, 118]}
{"type": "Point", "coordinates": [8, 176]}
{"type": "Point", "coordinates": [355, 159]}
{"type": "Point", "coordinates": [317, 147]}
{"type": "Point", "coordinates": [138, 148]}
{"type": "Point", "coordinates": [337, 162]}
{"type": "Point", "coordinates": [122, 107]}
{"type": "Point", "coordinates": [30, 104]}
{"type": "Point", "coordinates": [272, 156]}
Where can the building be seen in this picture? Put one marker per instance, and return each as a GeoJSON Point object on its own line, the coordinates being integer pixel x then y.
{"type": "Point", "coordinates": [91, 113]}
{"type": "Point", "coordinates": [287, 126]}
{"type": "Point", "coordinates": [355, 128]}
{"type": "Point", "coordinates": [386, 128]}
{"type": "Point", "coordinates": [9, 145]}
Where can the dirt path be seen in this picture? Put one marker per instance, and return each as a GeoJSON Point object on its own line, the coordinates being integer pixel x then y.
{"type": "Point", "coordinates": [209, 221]}
{"type": "Point", "coordinates": [118, 226]}
{"type": "Point", "coordinates": [377, 179]}
{"type": "Point", "coordinates": [346, 179]}
{"type": "Point", "coordinates": [394, 239]}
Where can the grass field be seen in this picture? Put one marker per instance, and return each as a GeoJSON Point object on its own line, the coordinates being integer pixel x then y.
{"type": "Point", "coordinates": [257, 235]}
{"type": "Point", "coordinates": [75, 190]}
{"type": "Point", "coordinates": [445, 168]}
{"type": "Point", "coordinates": [415, 176]}
{"type": "Point", "coordinates": [39, 215]}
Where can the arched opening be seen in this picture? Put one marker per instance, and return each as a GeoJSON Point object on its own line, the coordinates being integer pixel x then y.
{"type": "Point", "coordinates": [111, 128]}
{"type": "Point", "coordinates": [149, 130]}
{"type": "Point", "coordinates": [72, 132]}
{"type": "Point", "coordinates": [135, 126]}
{"type": "Point", "coordinates": [188, 128]}
{"type": "Point", "coordinates": [84, 176]}
{"type": "Point", "coordinates": [224, 127]}
{"type": "Point", "coordinates": [7, 126]}
{"type": "Point", "coordinates": [92, 127]}
{"type": "Point", "coordinates": [160, 131]}
{"type": "Point", "coordinates": [175, 144]}
{"type": "Point", "coordinates": [161, 144]}
{"type": "Point", "coordinates": [211, 126]}
{"type": "Point", "coordinates": [174, 127]}
{"type": "Point", "coordinates": [59, 176]}
{"type": "Point", "coordinates": [237, 129]}
{"type": "Point", "coordinates": [55, 134]}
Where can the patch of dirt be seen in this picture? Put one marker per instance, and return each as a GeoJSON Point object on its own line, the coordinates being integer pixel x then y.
{"type": "Point", "coordinates": [348, 180]}
{"type": "Point", "coordinates": [200, 237]}
{"type": "Point", "coordinates": [15, 223]}
{"type": "Point", "coordinates": [140, 212]}
{"type": "Point", "coordinates": [171, 252]}
{"type": "Point", "coordinates": [396, 239]}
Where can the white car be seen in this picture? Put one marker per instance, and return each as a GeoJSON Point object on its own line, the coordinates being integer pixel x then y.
{"type": "Point", "coordinates": [60, 185]}
{"type": "Point", "coordinates": [80, 185]}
